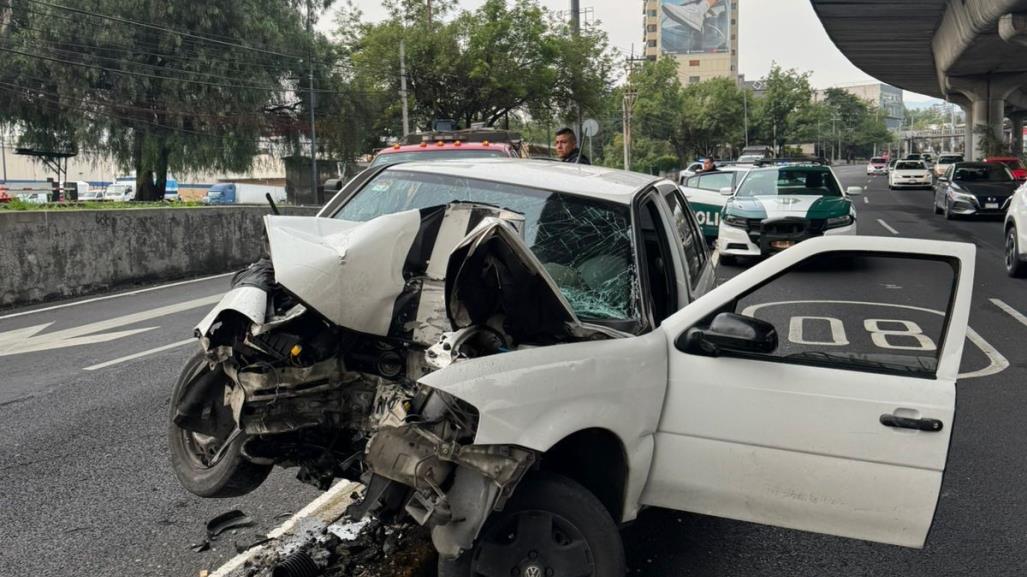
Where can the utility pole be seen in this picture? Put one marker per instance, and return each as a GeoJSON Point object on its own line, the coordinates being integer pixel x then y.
{"type": "Point", "coordinates": [313, 128]}
{"type": "Point", "coordinates": [745, 108]}
{"type": "Point", "coordinates": [403, 83]}
{"type": "Point", "coordinates": [429, 14]}
{"type": "Point", "coordinates": [576, 31]}
{"type": "Point", "coordinates": [3, 150]}
{"type": "Point", "coordinates": [628, 105]}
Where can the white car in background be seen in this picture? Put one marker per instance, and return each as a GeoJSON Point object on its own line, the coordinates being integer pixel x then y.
{"type": "Point", "coordinates": [877, 165]}
{"type": "Point", "coordinates": [945, 161]}
{"type": "Point", "coordinates": [910, 174]}
{"type": "Point", "coordinates": [1016, 233]}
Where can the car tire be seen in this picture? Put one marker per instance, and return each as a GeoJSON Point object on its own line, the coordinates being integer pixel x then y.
{"type": "Point", "coordinates": [233, 475]}
{"type": "Point", "coordinates": [575, 518]}
{"type": "Point", "coordinates": [1015, 267]}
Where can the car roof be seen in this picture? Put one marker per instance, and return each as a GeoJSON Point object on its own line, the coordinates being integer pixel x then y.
{"type": "Point", "coordinates": [432, 147]}
{"type": "Point", "coordinates": [579, 179]}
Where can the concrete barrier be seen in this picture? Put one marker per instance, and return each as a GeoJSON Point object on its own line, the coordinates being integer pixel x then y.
{"type": "Point", "coordinates": [47, 255]}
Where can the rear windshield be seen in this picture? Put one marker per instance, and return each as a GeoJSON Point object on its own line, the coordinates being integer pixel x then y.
{"type": "Point", "coordinates": [390, 158]}
{"type": "Point", "coordinates": [877, 161]}
{"type": "Point", "coordinates": [1012, 162]}
{"type": "Point", "coordinates": [982, 173]}
{"type": "Point", "coordinates": [909, 165]}
{"type": "Point", "coordinates": [949, 159]}
{"type": "Point", "coordinates": [803, 180]}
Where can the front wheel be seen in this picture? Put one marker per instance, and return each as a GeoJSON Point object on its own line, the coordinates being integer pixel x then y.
{"type": "Point", "coordinates": [1014, 266]}
{"type": "Point", "coordinates": [551, 527]}
{"type": "Point", "coordinates": [203, 463]}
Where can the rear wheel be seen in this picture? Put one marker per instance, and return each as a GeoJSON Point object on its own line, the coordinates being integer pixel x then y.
{"type": "Point", "coordinates": [204, 464]}
{"type": "Point", "coordinates": [551, 527]}
{"type": "Point", "coordinates": [1014, 266]}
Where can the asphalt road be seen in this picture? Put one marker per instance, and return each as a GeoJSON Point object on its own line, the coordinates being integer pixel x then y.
{"type": "Point", "coordinates": [86, 488]}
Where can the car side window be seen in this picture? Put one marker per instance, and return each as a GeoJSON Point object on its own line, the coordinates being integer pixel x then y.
{"type": "Point", "coordinates": [713, 182]}
{"type": "Point", "coordinates": [691, 238]}
{"type": "Point", "coordinates": [870, 313]}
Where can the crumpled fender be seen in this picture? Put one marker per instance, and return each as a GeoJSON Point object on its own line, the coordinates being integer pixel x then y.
{"type": "Point", "coordinates": [534, 398]}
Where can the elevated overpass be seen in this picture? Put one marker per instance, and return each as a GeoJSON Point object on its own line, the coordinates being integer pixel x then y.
{"type": "Point", "coordinates": [969, 52]}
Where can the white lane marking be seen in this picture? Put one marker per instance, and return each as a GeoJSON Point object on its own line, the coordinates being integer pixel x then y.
{"type": "Point", "coordinates": [866, 200]}
{"type": "Point", "coordinates": [1010, 311]}
{"type": "Point", "coordinates": [890, 229]}
{"type": "Point", "coordinates": [997, 362]}
{"type": "Point", "coordinates": [126, 294]}
{"type": "Point", "coordinates": [140, 355]}
{"type": "Point", "coordinates": [27, 340]}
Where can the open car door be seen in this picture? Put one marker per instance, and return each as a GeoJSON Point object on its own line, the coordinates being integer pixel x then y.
{"type": "Point", "coordinates": [816, 391]}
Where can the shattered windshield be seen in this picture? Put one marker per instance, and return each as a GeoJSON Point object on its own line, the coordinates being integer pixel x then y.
{"type": "Point", "coordinates": [585, 245]}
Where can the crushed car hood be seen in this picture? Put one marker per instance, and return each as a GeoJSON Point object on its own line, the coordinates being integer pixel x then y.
{"type": "Point", "coordinates": [414, 275]}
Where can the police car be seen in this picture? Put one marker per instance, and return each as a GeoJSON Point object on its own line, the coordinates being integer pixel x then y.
{"type": "Point", "coordinates": [708, 192]}
{"type": "Point", "coordinates": [775, 208]}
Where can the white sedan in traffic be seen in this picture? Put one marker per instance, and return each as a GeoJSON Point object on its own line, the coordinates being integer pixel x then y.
{"type": "Point", "coordinates": [910, 174]}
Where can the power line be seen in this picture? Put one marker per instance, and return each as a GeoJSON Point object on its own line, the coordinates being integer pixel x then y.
{"type": "Point", "coordinates": [177, 79]}
{"type": "Point", "coordinates": [165, 29]}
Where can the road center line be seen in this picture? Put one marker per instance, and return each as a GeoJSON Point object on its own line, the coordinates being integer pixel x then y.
{"type": "Point", "coordinates": [140, 355]}
{"type": "Point", "coordinates": [890, 229]}
{"type": "Point", "coordinates": [866, 200]}
{"type": "Point", "coordinates": [1017, 315]}
{"type": "Point", "coordinates": [107, 297]}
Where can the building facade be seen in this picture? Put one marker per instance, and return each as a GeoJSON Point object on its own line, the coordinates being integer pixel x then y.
{"type": "Point", "coordinates": [702, 35]}
{"type": "Point", "coordinates": [884, 97]}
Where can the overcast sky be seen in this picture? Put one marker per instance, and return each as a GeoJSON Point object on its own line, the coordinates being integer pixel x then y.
{"type": "Point", "coordinates": [783, 31]}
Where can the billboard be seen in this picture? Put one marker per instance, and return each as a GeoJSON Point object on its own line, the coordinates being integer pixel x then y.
{"type": "Point", "coordinates": [695, 26]}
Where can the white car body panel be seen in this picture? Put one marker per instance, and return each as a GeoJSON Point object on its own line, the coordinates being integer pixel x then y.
{"type": "Point", "coordinates": [535, 398]}
{"type": "Point", "coordinates": [1016, 215]}
{"type": "Point", "coordinates": [721, 448]}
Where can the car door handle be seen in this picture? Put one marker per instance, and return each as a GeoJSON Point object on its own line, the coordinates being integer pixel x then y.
{"type": "Point", "coordinates": [926, 425]}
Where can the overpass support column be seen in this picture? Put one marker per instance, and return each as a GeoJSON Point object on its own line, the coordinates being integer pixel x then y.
{"type": "Point", "coordinates": [987, 98]}
{"type": "Point", "coordinates": [987, 121]}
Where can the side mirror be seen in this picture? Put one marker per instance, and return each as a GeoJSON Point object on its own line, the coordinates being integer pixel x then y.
{"type": "Point", "coordinates": [943, 179]}
{"type": "Point", "coordinates": [854, 190]}
{"type": "Point", "coordinates": [729, 332]}
{"type": "Point", "coordinates": [727, 191]}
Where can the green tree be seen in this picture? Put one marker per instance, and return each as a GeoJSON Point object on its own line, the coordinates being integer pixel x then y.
{"type": "Point", "coordinates": [123, 77]}
{"type": "Point", "coordinates": [713, 116]}
{"type": "Point", "coordinates": [483, 65]}
{"type": "Point", "coordinates": [779, 115]}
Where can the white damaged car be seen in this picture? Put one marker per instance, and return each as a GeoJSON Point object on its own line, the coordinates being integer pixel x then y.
{"type": "Point", "coordinates": [521, 355]}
